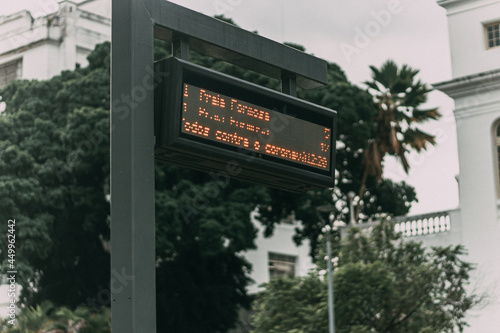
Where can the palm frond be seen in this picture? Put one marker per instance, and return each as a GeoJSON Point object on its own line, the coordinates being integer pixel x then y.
{"type": "Point", "coordinates": [404, 161]}
{"type": "Point", "coordinates": [373, 160]}
{"type": "Point", "coordinates": [408, 74]}
{"type": "Point", "coordinates": [416, 94]}
{"type": "Point", "coordinates": [387, 75]}
{"type": "Point", "coordinates": [418, 139]}
{"type": "Point", "coordinates": [396, 145]}
{"type": "Point", "coordinates": [424, 115]}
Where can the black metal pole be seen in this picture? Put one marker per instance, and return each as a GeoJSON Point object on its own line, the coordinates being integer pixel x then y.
{"type": "Point", "coordinates": [132, 285]}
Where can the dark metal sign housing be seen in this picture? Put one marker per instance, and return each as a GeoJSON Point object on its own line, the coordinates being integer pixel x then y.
{"type": "Point", "coordinates": [205, 119]}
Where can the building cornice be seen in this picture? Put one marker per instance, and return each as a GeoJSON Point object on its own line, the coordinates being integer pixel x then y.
{"type": "Point", "coordinates": [15, 16]}
{"type": "Point", "coordinates": [450, 3]}
{"type": "Point", "coordinates": [471, 84]}
{"type": "Point", "coordinates": [94, 17]}
{"type": "Point", "coordinates": [456, 6]}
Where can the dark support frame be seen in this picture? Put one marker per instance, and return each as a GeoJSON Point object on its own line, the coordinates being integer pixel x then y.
{"type": "Point", "coordinates": [135, 24]}
{"type": "Point", "coordinates": [288, 84]}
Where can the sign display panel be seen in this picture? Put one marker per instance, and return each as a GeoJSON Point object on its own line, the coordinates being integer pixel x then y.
{"type": "Point", "coordinates": [238, 123]}
{"type": "Point", "coordinates": [207, 120]}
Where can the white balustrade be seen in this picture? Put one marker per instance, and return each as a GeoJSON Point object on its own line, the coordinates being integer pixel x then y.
{"type": "Point", "coordinates": [423, 224]}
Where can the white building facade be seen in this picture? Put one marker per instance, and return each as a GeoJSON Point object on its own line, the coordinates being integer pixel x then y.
{"type": "Point", "coordinates": [475, 87]}
{"type": "Point", "coordinates": [39, 48]}
{"type": "Point", "coordinates": [278, 255]}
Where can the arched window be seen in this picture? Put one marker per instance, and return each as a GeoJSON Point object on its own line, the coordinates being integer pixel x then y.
{"type": "Point", "coordinates": [496, 135]}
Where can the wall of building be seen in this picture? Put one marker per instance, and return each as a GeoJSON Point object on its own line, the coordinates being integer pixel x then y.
{"type": "Point", "coordinates": [56, 42]}
{"type": "Point", "coordinates": [477, 180]}
{"type": "Point", "coordinates": [475, 89]}
{"type": "Point", "coordinates": [466, 21]}
{"type": "Point", "coordinates": [281, 243]}
{"type": "Point", "coordinates": [478, 198]}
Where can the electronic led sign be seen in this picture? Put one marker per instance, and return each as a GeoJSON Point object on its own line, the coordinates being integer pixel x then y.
{"type": "Point", "coordinates": [237, 123]}
{"type": "Point", "coordinates": [206, 120]}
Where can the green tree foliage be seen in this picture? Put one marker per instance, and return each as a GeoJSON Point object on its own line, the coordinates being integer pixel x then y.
{"type": "Point", "coordinates": [382, 283]}
{"type": "Point", "coordinates": [203, 221]}
{"type": "Point", "coordinates": [46, 318]}
{"type": "Point", "coordinates": [53, 181]}
{"type": "Point", "coordinates": [291, 305]}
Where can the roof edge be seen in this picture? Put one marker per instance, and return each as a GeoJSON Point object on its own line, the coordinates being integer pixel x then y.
{"type": "Point", "coordinates": [463, 86]}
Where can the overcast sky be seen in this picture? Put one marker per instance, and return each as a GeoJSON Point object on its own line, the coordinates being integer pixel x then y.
{"type": "Point", "coordinates": [355, 35]}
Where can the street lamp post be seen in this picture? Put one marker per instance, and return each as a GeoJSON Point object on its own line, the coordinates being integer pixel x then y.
{"type": "Point", "coordinates": [327, 230]}
{"type": "Point", "coordinates": [351, 196]}
{"type": "Point", "coordinates": [331, 315]}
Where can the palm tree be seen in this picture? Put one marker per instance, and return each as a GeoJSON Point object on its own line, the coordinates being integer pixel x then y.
{"type": "Point", "coordinates": [398, 96]}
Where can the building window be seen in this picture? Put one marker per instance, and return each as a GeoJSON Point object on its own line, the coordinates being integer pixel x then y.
{"type": "Point", "coordinates": [281, 265]}
{"type": "Point", "coordinates": [10, 71]}
{"type": "Point", "coordinates": [497, 153]}
{"type": "Point", "coordinates": [492, 35]}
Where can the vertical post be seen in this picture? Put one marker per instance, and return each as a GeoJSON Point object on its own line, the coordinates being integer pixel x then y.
{"type": "Point", "coordinates": [288, 83]}
{"type": "Point", "coordinates": [351, 196]}
{"type": "Point", "coordinates": [331, 318]}
{"type": "Point", "coordinates": [132, 285]}
{"type": "Point", "coordinates": [328, 229]}
{"type": "Point", "coordinates": [180, 48]}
